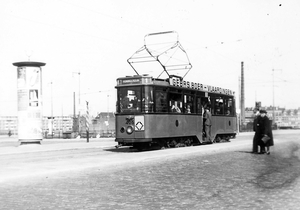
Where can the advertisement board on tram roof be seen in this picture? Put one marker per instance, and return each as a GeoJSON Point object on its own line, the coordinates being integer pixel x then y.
{"type": "Point", "coordinates": [176, 82]}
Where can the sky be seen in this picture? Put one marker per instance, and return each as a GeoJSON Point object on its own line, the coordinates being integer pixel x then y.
{"type": "Point", "coordinates": [86, 44]}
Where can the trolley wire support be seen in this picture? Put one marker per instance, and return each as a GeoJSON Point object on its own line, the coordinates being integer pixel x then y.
{"type": "Point", "coordinates": [164, 48]}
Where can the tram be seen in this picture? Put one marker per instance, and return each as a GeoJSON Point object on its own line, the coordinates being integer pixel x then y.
{"type": "Point", "coordinates": [146, 115]}
{"type": "Point", "coordinates": [169, 111]}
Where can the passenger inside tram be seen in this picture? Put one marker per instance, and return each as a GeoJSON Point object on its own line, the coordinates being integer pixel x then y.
{"type": "Point", "coordinates": [188, 109]}
{"type": "Point", "coordinates": [227, 112]}
{"type": "Point", "coordinates": [174, 107]}
{"type": "Point", "coordinates": [161, 102]}
{"type": "Point", "coordinates": [221, 108]}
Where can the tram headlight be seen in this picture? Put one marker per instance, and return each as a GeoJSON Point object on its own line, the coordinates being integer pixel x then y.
{"type": "Point", "coordinates": [129, 130]}
{"type": "Point", "coordinates": [122, 130]}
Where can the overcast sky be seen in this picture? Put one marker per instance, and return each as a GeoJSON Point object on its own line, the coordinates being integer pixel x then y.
{"type": "Point", "coordinates": [96, 38]}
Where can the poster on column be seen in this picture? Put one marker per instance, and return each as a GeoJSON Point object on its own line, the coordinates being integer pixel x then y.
{"type": "Point", "coordinates": [29, 103]}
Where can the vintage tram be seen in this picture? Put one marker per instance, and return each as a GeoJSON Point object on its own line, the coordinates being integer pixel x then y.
{"type": "Point", "coordinates": [146, 112]}
{"type": "Point", "coordinates": [169, 112]}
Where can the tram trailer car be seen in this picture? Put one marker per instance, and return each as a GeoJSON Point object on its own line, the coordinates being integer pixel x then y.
{"type": "Point", "coordinates": [168, 112]}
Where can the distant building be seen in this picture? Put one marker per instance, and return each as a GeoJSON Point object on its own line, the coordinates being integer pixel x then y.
{"type": "Point", "coordinates": [103, 124]}
{"type": "Point", "coordinates": [8, 123]}
{"type": "Point", "coordinates": [57, 125]}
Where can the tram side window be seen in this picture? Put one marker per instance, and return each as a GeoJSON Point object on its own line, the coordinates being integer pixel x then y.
{"type": "Point", "coordinates": [129, 99]}
{"type": "Point", "coordinates": [199, 105]}
{"type": "Point", "coordinates": [175, 103]}
{"type": "Point", "coordinates": [218, 106]}
{"type": "Point", "coordinates": [147, 99]}
{"type": "Point", "coordinates": [189, 104]}
{"type": "Point", "coordinates": [229, 106]}
{"type": "Point", "coordinates": [161, 100]}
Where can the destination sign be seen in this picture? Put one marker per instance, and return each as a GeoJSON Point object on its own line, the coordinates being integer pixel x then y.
{"type": "Point", "coordinates": [130, 81]}
{"type": "Point", "coordinates": [174, 81]}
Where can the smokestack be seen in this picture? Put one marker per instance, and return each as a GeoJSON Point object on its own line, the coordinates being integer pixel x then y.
{"type": "Point", "coordinates": [242, 94]}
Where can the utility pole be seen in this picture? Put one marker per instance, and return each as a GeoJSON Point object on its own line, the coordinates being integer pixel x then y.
{"type": "Point", "coordinates": [107, 114]}
{"type": "Point", "coordinates": [273, 108]}
{"type": "Point", "coordinates": [78, 100]}
{"type": "Point", "coordinates": [78, 85]}
{"type": "Point", "coordinates": [52, 109]}
{"type": "Point", "coordinates": [74, 114]}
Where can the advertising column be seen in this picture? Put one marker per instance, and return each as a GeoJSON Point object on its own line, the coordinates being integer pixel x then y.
{"type": "Point", "coordinates": [29, 90]}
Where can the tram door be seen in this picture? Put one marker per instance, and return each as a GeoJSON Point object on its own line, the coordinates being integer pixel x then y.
{"type": "Point", "coordinates": [204, 101]}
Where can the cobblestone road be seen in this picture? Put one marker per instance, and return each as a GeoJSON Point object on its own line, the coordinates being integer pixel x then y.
{"type": "Point", "coordinates": [233, 179]}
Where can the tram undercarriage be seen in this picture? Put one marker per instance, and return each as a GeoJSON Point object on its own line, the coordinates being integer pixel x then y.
{"type": "Point", "coordinates": [174, 142]}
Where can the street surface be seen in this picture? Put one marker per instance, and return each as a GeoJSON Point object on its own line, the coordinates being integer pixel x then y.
{"type": "Point", "coordinates": [74, 174]}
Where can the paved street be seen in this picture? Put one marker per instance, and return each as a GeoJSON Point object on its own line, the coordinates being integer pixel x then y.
{"type": "Point", "coordinates": [95, 175]}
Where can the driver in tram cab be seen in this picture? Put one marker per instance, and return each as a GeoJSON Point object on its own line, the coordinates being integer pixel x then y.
{"type": "Point", "coordinates": [221, 106]}
{"type": "Point", "coordinates": [135, 103]}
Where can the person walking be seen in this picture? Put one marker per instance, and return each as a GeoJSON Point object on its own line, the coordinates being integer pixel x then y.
{"type": "Point", "coordinates": [9, 133]}
{"type": "Point", "coordinates": [264, 130]}
{"type": "Point", "coordinates": [207, 123]}
{"type": "Point", "coordinates": [255, 139]}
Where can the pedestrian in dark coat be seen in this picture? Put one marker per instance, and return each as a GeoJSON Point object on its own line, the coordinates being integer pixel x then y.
{"type": "Point", "coordinates": [264, 129]}
{"type": "Point", "coordinates": [255, 142]}
{"type": "Point", "coordinates": [207, 123]}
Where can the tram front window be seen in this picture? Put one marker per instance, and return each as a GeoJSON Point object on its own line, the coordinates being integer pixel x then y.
{"type": "Point", "coordinates": [129, 99]}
